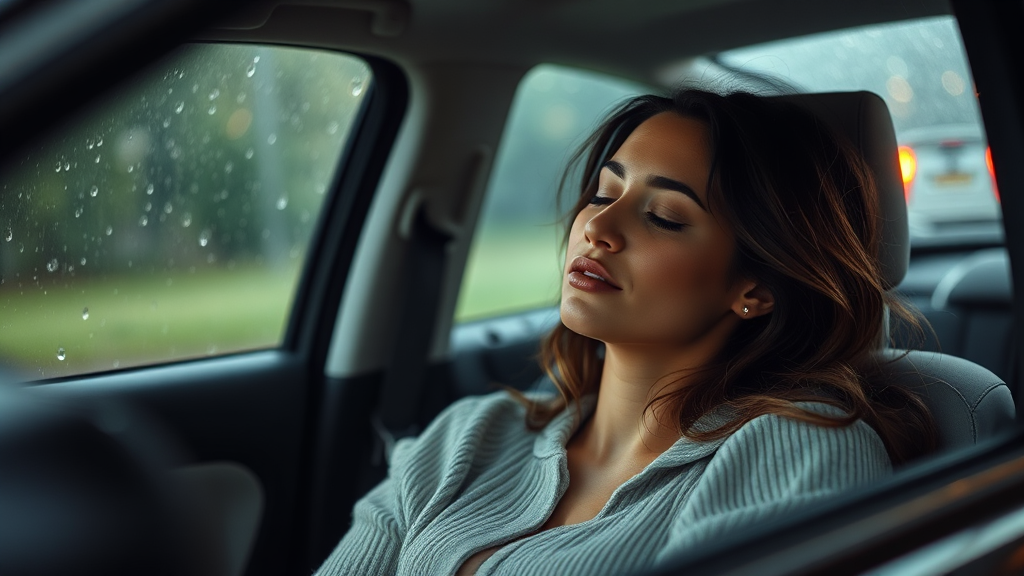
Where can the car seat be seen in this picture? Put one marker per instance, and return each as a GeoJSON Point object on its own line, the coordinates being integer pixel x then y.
{"type": "Point", "coordinates": [968, 402]}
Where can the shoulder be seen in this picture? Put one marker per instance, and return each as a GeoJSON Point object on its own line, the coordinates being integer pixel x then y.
{"type": "Point", "coordinates": [774, 465]}
{"type": "Point", "coordinates": [467, 417]}
{"type": "Point", "coordinates": [454, 437]}
{"type": "Point", "coordinates": [468, 438]}
{"type": "Point", "coordinates": [791, 455]}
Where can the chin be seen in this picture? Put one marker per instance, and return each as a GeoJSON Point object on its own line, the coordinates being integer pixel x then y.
{"type": "Point", "coordinates": [585, 321]}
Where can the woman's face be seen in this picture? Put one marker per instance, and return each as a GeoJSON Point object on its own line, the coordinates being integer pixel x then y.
{"type": "Point", "coordinates": [663, 259]}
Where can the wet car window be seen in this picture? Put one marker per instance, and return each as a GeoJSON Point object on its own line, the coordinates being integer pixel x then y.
{"type": "Point", "coordinates": [173, 219]}
{"type": "Point", "coordinates": [514, 261]}
{"type": "Point", "coordinates": [920, 69]}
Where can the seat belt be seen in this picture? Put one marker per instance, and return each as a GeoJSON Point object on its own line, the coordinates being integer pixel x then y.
{"type": "Point", "coordinates": [399, 397]}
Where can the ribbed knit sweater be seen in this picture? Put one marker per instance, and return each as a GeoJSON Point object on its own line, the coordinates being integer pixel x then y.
{"type": "Point", "coordinates": [477, 478]}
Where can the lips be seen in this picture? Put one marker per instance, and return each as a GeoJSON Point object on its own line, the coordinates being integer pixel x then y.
{"type": "Point", "coordinates": [588, 274]}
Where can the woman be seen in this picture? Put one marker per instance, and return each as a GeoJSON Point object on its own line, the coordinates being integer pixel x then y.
{"type": "Point", "coordinates": [720, 299]}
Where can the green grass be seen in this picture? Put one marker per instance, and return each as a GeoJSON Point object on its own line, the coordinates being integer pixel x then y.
{"type": "Point", "coordinates": [509, 270]}
{"type": "Point", "coordinates": [134, 321]}
{"type": "Point", "coordinates": [155, 318]}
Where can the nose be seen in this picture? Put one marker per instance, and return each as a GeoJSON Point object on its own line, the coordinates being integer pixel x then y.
{"type": "Point", "coordinates": [603, 230]}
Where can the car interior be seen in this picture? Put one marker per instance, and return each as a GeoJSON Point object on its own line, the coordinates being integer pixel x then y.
{"type": "Point", "coordinates": [248, 247]}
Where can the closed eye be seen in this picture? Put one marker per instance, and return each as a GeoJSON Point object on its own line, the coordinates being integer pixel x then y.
{"type": "Point", "coordinates": [601, 200]}
{"type": "Point", "coordinates": [663, 223]}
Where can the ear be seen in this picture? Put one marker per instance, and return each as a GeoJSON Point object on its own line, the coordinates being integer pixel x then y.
{"type": "Point", "coordinates": [755, 300]}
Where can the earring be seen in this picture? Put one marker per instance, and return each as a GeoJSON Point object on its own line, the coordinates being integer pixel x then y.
{"type": "Point", "coordinates": [745, 310]}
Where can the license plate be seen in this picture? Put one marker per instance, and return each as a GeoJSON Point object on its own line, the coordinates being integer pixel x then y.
{"type": "Point", "coordinates": [954, 179]}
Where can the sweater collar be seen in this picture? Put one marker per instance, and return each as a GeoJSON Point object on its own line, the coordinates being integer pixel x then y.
{"type": "Point", "coordinates": [552, 440]}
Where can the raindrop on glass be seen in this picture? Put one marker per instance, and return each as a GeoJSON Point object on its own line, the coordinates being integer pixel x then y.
{"type": "Point", "coordinates": [168, 208]}
{"type": "Point", "coordinates": [186, 220]}
{"type": "Point", "coordinates": [228, 167]}
{"type": "Point", "coordinates": [21, 247]}
{"type": "Point", "coordinates": [212, 110]}
{"type": "Point", "coordinates": [99, 142]}
{"type": "Point", "coordinates": [167, 122]}
{"type": "Point", "coordinates": [85, 314]}
{"type": "Point", "coordinates": [110, 230]}
{"type": "Point", "coordinates": [8, 235]}
{"type": "Point", "coordinates": [83, 261]}
{"type": "Point", "coordinates": [357, 86]}
{"type": "Point", "coordinates": [251, 70]}
{"type": "Point", "coordinates": [214, 94]}
{"type": "Point", "coordinates": [271, 139]}
{"type": "Point", "coordinates": [67, 166]}
{"type": "Point", "coordinates": [52, 265]}
{"type": "Point", "coordinates": [249, 153]}
{"type": "Point", "coordinates": [97, 158]}
{"type": "Point", "coordinates": [179, 107]}
{"type": "Point", "coordinates": [61, 355]}
{"type": "Point", "coordinates": [204, 237]}
{"type": "Point", "coordinates": [131, 169]}
{"type": "Point", "coordinates": [149, 190]}
{"type": "Point", "coordinates": [78, 212]}
{"type": "Point", "coordinates": [148, 206]}
{"type": "Point", "coordinates": [59, 166]}
{"type": "Point", "coordinates": [143, 220]}
{"type": "Point", "coordinates": [282, 203]}
{"type": "Point", "coordinates": [332, 128]}
{"type": "Point", "coordinates": [94, 191]}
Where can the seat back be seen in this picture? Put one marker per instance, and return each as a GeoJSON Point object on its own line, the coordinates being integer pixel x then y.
{"type": "Point", "coordinates": [967, 402]}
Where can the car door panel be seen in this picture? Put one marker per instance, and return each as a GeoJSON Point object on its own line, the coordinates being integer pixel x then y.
{"type": "Point", "coordinates": [247, 409]}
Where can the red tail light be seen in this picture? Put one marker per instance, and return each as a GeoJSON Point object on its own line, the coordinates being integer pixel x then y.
{"type": "Point", "coordinates": [908, 166]}
{"type": "Point", "coordinates": [991, 171]}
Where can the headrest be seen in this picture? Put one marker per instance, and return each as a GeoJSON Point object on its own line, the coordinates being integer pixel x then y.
{"type": "Point", "coordinates": [863, 118]}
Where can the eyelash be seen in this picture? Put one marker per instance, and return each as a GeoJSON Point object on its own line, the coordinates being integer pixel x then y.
{"type": "Point", "coordinates": [651, 216]}
{"type": "Point", "coordinates": [664, 224]}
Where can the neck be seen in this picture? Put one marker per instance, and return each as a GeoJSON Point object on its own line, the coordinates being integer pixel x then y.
{"type": "Point", "coordinates": [623, 428]}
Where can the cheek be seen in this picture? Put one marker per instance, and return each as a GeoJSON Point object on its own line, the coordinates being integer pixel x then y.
{"type": "Point", "coordinates": [686, 277]}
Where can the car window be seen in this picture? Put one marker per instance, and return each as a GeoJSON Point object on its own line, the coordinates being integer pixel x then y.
{"type": "Point", "coordinates": [172, 220]}
{"type": "Point", "coordinates": [920, 69]}
{"type": "Point", "coordinates": [515, 259]}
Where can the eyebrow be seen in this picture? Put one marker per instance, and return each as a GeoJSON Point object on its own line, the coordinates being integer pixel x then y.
{"type": "Point", "coordinates": [658, 182]}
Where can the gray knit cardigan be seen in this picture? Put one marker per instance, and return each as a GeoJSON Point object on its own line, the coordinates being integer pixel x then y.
{"type": "Point", "coordinates": [476, 478]}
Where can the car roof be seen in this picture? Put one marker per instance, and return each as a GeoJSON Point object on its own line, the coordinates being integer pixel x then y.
{"type": "Point", "coordinates": [634, 40]}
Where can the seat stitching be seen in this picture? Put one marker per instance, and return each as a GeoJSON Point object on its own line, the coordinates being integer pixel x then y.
{"type": "Point", "coordinates": [974, 427]}
{"type": "Point", "coordinates": [978, 403]}
{"type": "Point", "coordinates": [986, 393]}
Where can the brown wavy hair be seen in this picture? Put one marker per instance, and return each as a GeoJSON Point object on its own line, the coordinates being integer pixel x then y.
{"type": "Point", "coordinates": [804, 208]}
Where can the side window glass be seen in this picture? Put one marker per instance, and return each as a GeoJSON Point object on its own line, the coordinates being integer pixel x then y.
{"type": "Point", "coordinates": [515, 259]}
{"type": "Point", "coordinates": [173, 219]}
{"type": "Point", "coordinates": [920, 69]}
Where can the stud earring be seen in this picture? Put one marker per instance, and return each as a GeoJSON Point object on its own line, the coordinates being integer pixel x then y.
{"type": "Point", "coordinates": [745, 310]}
